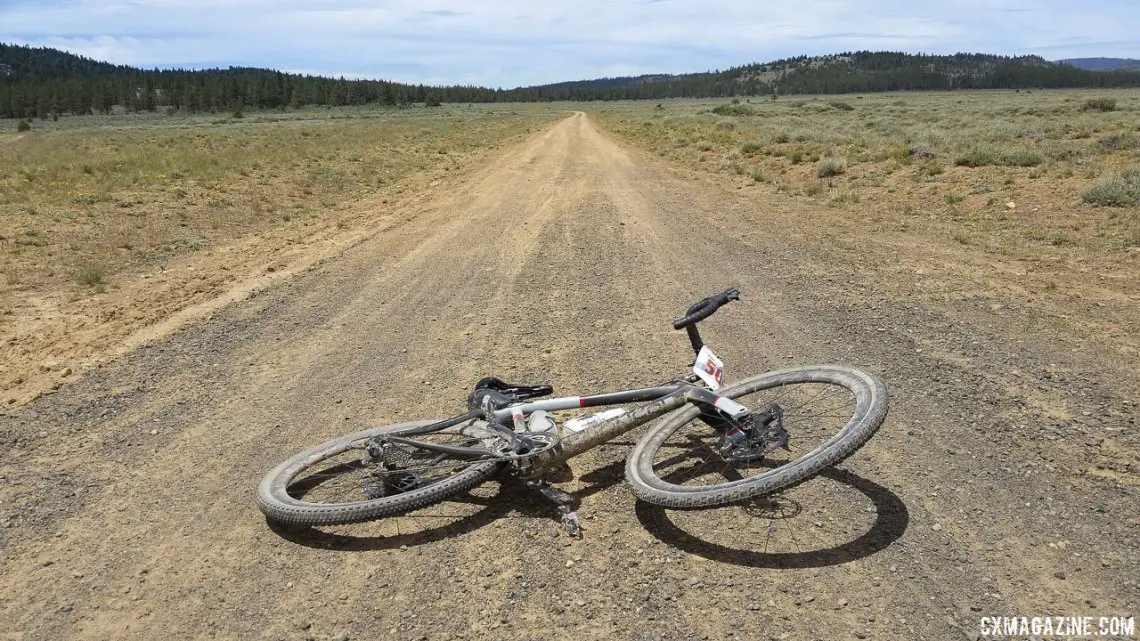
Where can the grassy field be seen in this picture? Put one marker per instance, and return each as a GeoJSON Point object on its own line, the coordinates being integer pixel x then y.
{"type": "Point", "coordinates": [86, 200]}
{"type": "Point", "coordinates": [956, 157]}
{"type": "Point", "coordinates": [945, 162]}
{"type": "Point", "coordinates": [980, 196]}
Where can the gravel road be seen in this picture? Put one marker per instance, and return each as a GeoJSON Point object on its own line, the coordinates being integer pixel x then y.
{"type": "Point", "coordinates": [1005, 481]}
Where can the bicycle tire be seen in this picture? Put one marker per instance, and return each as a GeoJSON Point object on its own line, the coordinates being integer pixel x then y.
{"type": "Point", "coordinates": [275, 501]}
{"type": "Point", "coordinates": [869, 410]}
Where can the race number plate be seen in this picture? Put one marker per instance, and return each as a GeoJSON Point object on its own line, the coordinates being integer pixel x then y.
{"type": "Point", "coordinates": [710, 368]}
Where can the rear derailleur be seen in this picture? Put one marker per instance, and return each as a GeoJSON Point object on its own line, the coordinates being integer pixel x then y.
{"type": "Point", "coordinates": [386, 478]}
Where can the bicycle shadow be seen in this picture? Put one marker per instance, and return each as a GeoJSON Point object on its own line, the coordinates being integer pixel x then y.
{"type": "Point", "coordinates": [891, 522]}
{"type": "Point", "coordinates": [514, 499]}
{"type": "Point", "coordinates": [511, 499]}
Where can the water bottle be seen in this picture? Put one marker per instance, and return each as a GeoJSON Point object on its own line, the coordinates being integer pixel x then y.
{"type": "Point", "coordinates": [540, 422]}
{"type": "Point", "coordinates": [585, 422]}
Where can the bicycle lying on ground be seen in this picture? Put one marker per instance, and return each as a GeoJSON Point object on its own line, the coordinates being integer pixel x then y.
{"type": "Point", "coordinates": [715, 446]}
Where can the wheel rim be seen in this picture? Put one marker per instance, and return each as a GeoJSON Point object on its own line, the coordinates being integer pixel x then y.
{"type": "Point", "coordinates": [339, 477]}
{"type": "Point", "coordinates": [815, 414]}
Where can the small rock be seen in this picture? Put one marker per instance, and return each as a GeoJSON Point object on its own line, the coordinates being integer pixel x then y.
{"type": "Point", "coordinates": [340, 636]}
{"type": "Point", "coordinates": [843, 603]}
{"type": "Point", "coordinates": [1059, 575]}
{"type": "Point", "coordinates": [1011, 205]}
{"type": "Point", "coordinates": [936, 527]}
{"type": "Point", "coordinates": [570, 563]}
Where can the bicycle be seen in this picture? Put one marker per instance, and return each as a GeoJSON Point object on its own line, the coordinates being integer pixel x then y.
{"type": "Point", "coordinates": [710, 449]}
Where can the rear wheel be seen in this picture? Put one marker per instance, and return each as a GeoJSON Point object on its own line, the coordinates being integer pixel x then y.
{"type": "Point", "coordinates": [826, 412]}
{"type": "Point", "coordinates": [335, 482]}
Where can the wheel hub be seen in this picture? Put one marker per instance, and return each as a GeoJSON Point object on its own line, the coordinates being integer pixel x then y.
{"type": "Point", "coordinates": [757, 436]}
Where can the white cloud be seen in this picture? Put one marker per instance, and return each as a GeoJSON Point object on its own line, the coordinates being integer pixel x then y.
{"type": "Point", "coordinates": [520, 42]}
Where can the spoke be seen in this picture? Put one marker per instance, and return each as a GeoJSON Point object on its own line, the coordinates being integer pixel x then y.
{"type": "Point", "coordinates": [813, 413]}
{"type": "Point", "coordinates": [829, 390]}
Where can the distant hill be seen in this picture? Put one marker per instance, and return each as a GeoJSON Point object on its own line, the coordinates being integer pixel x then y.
{"type": "Point", "coordinates": [862, 71]}
{"type": "Point", "coordinates": [42, 82]}
{"type": "Point", "coordinates": [1102, 64]}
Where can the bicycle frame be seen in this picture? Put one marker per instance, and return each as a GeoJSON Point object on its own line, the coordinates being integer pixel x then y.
{"type": "Point", "coordinates": [659, 400]}
{"type": "Point", "coordinates": [662, 400]}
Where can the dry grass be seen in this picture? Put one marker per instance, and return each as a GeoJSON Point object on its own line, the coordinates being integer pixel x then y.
{"type": "Point", "coordinates": [1027, 197]}
{"type": "Point", "coordinates": [942, 164]}
{"type": "Point", "coordinates": [97, 197]}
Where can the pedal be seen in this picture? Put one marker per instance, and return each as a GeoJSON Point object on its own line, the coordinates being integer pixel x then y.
{"type": "Point", "coordinates": [571, 523]}
{"type": "Point", "coordinates": [570, 520]}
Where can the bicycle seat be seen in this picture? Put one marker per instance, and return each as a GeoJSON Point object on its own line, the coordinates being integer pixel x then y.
{"type": "Point", "coordinates": [521, 391]}
{"type": "Point", "coordinates": [504, 393]}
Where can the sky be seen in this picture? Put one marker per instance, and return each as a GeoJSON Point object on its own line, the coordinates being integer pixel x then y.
{"type": "Point", "coordinates": [511, 43]}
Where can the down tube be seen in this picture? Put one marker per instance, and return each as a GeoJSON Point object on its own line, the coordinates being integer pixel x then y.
{"type": "Point", "coordinates": [572, 446]}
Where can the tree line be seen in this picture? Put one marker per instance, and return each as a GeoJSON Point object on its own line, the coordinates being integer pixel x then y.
{"type": "Point", "coordinates": [42, 82]}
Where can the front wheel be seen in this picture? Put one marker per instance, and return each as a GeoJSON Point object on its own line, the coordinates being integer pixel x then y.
{"type": "Point", "coordinates": [337, 483]}
{"type": "Point", "coordinates": [827, 413]}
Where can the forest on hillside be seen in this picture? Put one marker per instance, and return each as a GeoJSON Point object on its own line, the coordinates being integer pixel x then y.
{"type": "Point", "coordinates": [42, 83]}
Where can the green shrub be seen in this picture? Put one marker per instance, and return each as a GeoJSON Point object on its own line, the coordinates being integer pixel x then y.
{"type": "Point", "coordinates": [921, 152]}
{"type": "Point", "coordinates": [23, 125]}
{"type": "Point", "coordinates": [90, 275]}
{"type": "Point", "coordinates": [1120, 141]}
{"type": "Point", "coordinates": [981, 156]}
{"type": "Point", "coordinates": [831, 166]}
{"type": "Point", "coordinates": [930, 168]}
{"type": "Point", "coordinates": [750, 147]}
{"type": "Point", "coordinates": [733, 110]}
{"type": "Point", "coordinates": [1117, 190]}
{"type": "Point", "coordinates": [1020, 158]}
{"type": "Point", "coordinates": [1099, 104]}
{"type": "Point", "coordinates": [977, 157]}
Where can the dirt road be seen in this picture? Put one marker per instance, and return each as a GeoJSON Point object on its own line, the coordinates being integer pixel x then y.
{"type": "Point", "coordinates": [1004, 482]}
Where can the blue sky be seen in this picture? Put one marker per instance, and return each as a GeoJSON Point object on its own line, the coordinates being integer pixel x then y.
{"type": "Point", "coordinates": [518, 42]}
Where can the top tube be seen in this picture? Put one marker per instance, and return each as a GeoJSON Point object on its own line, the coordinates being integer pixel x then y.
{"type": "Point", "coordinates": [596, 400]}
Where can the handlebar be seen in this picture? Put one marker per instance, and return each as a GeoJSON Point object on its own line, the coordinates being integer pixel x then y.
{"type": "Point", "coordinates": [706, 306]}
